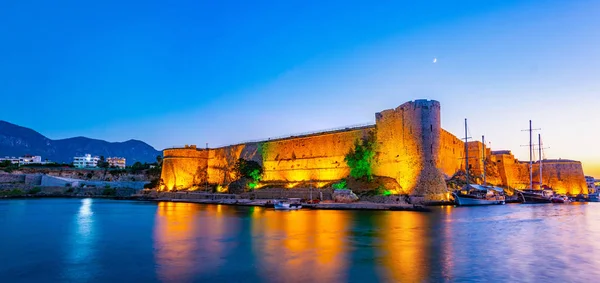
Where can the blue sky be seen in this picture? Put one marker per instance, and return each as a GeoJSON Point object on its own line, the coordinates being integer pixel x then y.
{"type": "Point", "coordinates": [193, 72]}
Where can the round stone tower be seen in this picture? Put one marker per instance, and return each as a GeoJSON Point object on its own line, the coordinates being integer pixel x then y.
{"type": "Point", "coordinates": [408, 147]}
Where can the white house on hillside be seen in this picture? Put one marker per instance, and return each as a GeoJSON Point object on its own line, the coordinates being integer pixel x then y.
{"type": "Point", "coordinates": [86, 161]}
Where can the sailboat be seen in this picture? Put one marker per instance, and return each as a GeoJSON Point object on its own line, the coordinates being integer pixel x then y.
{"type": "Point", "coordinates": [530, 195]}
{"type": "Point", "coordinates": [473, 194]}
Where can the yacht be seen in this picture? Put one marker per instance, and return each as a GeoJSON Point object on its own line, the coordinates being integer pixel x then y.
{"type": "Point", "coordinates": [530, 195]}
{"type": "Point", "coordinates": [535, 196]}
{"type": "Point", "coordinates": [472, 194]}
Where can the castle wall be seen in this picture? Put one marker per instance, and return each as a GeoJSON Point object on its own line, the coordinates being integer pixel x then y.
{"type": "Point", "coordinates": [184, 168]}
{"type": "Point", "coordinates": [452, 154]}
{"type": "Point", "coordinates": [317, 158]}
{"type": "Point", "coordinates": [563, 176]}
{"type": "Point", "coordinates": [411, 147]}
{"type": "Point", "coordinates": [408, 145]}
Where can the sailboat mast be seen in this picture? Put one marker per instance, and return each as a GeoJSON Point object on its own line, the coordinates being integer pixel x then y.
{"type": "Point", "coordinates": [540, 156]}
{"type": "Point", "coordinates": [483, 156]}
{"type": "Point", "coordinates": [530, 156]}
{"type": "Point", "coordinates": [466, 153]}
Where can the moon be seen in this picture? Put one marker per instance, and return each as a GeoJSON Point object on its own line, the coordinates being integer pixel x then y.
{"type": "Point", "coordinates": [434, 60]}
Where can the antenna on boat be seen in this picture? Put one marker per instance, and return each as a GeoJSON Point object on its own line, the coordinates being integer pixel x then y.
{"type": "Point", "coordinates": [540, 157]}
{"type": "Point", "coordinates": [531, 154]}
{"type": "Point", "coordinates": [466, 153]}
{"type": "Point", "coordinates": [483, 150]}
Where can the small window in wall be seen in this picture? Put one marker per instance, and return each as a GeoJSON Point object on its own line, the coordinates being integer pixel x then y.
{"type": "Point", "coordinates": [431, 126]}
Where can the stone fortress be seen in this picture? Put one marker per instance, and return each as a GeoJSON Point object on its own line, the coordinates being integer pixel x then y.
{"type": "Point", "coordinates": [411, 148]}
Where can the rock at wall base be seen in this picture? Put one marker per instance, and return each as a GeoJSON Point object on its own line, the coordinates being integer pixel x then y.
{"type": "Point", "coordinates": [344, 196]}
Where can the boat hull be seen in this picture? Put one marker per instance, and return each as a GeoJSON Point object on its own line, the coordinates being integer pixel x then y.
{"type": "Point", "coordinates": [534, 198]}
{"type": "Point", "coordinates": [463, 201]}
{"type": "Point", "coordinates": [287, 207]}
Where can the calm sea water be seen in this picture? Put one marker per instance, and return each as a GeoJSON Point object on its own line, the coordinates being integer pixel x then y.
{"type": "Point", "coordinates": [91, 240]}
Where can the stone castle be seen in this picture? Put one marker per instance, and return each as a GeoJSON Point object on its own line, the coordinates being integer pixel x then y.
{"type": "Point", "coordinates": [411, 148]}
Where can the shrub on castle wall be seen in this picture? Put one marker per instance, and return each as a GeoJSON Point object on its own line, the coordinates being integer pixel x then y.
{"type": "Point", "coordinates": [341, 185]}
{"type": "Point", "coordinates": [249, 169]}
{"type": "Point", "coordinates": [360, 159]}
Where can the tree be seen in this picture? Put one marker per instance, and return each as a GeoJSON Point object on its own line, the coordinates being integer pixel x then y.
{"type": "Point", "coordinates": [249, 169]}
{"type": "Point", "coordinates": [137, 167]}
{"type": "Point", "coordinates": [102, 162]}
{"type": "Point", "coordinates": [360, 158]}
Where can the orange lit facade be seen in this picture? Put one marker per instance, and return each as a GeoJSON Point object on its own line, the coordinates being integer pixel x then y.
{"type": "Point", "coordinates": [411, 147]}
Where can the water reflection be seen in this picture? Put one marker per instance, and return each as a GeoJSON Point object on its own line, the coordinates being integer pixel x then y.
{"type": "Point", "coordinates": [405, 246]}
{"type": "Point", "coordinates": [518, 242]}
{"type": "Point", "coordinates": [446, 241]}
{"type": "Point", "coordinates": [82, 241]}
{"type": "Point", "coordinates": [174, 249]}
{"type": "Point", "coordinates": [189, 240]}
{"type": "Point", "coordinates": [309, 244]}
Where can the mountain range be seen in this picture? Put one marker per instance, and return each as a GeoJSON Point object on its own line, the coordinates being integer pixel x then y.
{"type": "Point", "coordinates": [18, 141]}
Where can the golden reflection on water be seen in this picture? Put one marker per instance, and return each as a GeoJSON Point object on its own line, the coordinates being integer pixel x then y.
{"type": "Point", "coordinates": [447, 241]}
{"type": "Point", "coordinates": [405, 248]}
{"type": "Point", "coordinates": [187, 234]}
{"type": "Point", "coordinates": [310, 243]}
{"type": "Point", "coordinates": [174, 225]}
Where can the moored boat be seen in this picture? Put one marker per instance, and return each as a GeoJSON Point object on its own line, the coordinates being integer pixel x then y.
{"type": "Point", "coordinates": [290, 204]}
{"type": "Point", "coordinates": [473, 195]}
{"type": "Point", "coordinates": [559, 199]}
{"type": "Point", "coordinates": [536, 196]}
{"type": "Point", "coordinates": [530, 195]}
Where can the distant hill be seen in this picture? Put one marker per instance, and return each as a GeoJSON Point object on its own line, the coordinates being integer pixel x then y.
{"type": "Point", "coordinates": [18, 141]}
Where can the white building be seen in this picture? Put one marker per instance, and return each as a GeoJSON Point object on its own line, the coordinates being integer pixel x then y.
{"type": "Point", "coordinates": [30, 159]}
{"type": "Point", "coordinates": [591, 184]}
{"type": "Point", "coordinates": [86, 161]}
{"type": "Point", "coordinates": [13, 160]}
{"type": "Point", "coordinates": [117, 162]}
{"type": "Point", "coordinates": [24, 160]}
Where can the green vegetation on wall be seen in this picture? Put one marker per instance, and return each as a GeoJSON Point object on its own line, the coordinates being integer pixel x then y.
{"type": "Point", "coordinates": [341, 185]}
{"type": "Point", "coordinates": [360, 159]}
{"type": "Point", "coordinates": [262, 148]}
{"type": "Point", "coordinates": [249, 169]}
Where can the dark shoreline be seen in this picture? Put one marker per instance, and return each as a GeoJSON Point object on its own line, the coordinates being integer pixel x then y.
{"type": "Point", "coordinates": [360, 206]}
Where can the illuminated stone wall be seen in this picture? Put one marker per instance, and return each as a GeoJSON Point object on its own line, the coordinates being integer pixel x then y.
{"type": "Point", "coordinates": [318, 158]}
{"type": "Point", "coordinates": [411, 147]}
{"type": "Point", "coordinates": [563, 176]}
{"type": "Point", "coordinates": [408, 145]}
{"type": "Point", "coordinates": [184, 168]}
{"type": "Point", "coordinates": [452, 150]}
